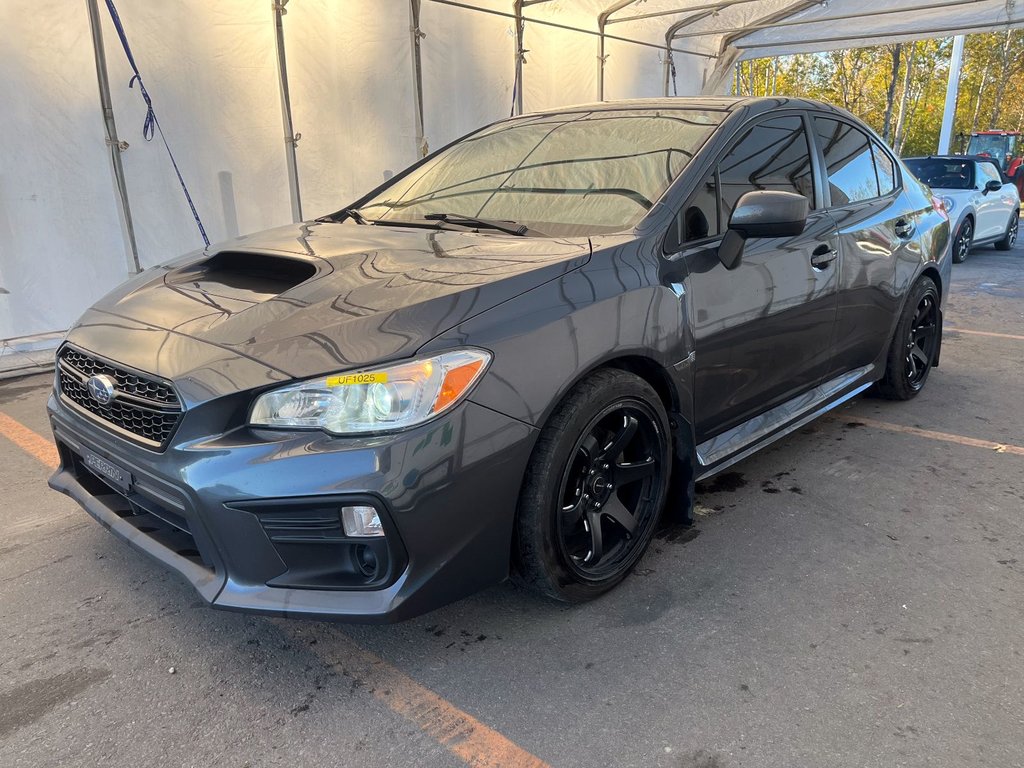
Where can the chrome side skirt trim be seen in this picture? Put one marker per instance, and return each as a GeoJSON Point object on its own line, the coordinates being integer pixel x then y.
{"type": "Point", "coordinates": [741, 441]}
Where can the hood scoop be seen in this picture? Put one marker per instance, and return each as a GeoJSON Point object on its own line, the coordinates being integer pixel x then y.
{"type": "Point", "coordinates": [240, 276]}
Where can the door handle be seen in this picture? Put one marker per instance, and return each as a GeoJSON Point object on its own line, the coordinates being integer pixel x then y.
{"type": "Point", "coordinates": [904, 229]}
{"type": "Point", "coordinates": [823, 255]}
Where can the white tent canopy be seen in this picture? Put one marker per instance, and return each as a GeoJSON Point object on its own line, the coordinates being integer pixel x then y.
{"type": "Point", "coordinates": [371, 83]}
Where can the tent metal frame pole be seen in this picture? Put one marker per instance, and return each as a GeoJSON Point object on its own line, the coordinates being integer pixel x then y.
{"type": "Point", "coordinates": [758, 26]}
{"type": "Point", "coordinates": [728, 53]}
{"type": "Point", "coordinates": [517, 9]}
{"type": "Point", "coordinates": [291, 138]}
{"type": "Point", "coordinates": [602, 57]}
{"type": "Point", "coordinates": [917, 34]}
{"type": "Point", "coordinates": [556, 25]}
{"type": "Point", "coordinates": [684, 9]}
{"type": "Point", "coordinates": [415, 6]}
{"type": "Point", "coordinates": [956, 58]}
{"type": "Point", "coordinates": [115, 145]}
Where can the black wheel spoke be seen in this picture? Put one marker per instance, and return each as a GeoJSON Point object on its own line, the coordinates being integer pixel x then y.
{"type": "Point", "coordinates": [591, 448]}
{"type": "Point", "coordinates": [632, 471]}
{"type": "Point", "coordinates": [621, 438]}
{"type": "Point", "coordinates": [573, 512]}
{"type": "Point", "coordinates": [918, 355]}
{"type": "Point", "coordinates": [617, 511]}
{"type": "Point", "coordinates": [596, 538]}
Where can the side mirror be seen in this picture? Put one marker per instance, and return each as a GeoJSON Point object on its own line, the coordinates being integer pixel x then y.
{"type": "Point", "coordinates": [762, 213]}
{"type": "Point", "coordinates": [993, 185]}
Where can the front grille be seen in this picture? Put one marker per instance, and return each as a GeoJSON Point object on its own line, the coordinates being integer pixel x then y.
{"type": "Point", "coordinates": [143, 407]}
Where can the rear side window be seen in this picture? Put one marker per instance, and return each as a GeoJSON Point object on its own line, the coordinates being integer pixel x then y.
{"type": "Point", "coordinates": [848, 161]}
{"type": "Point", "coordinates": [886, 170]}
{"type": "Point", "coordinates": [772, 155]}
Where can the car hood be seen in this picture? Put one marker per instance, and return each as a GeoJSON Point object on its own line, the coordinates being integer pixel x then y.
{"type": "Point", "coordinates": [311, 298]}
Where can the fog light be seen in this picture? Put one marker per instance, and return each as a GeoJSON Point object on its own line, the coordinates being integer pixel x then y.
{"type": "Point", "coordinates": [361, 521]}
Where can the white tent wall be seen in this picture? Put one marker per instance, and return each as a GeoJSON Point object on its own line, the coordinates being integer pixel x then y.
{"type": "Point", "coordinates": [211, 72]}
{"type": "Point", "coordinates": [60, 239]}
{"type": "Point", "coordinates": [350, 76]}
{"type": "Point", "coordinates": [468, 64]}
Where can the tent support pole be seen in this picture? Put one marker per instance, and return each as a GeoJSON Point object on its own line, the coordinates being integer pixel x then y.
{"type": "Point", "coordinates": [952, 89]}
{"type": "Point", "coordinates": [290, 137]}
{"type": "Point", "coordinates": [417, 76]}
{"type": "Point", "coordinates": [115, 145]}
{"type": "Point", "coordinates": [517, 10]}
{"type": "Point", "coordinates": [602, 22]}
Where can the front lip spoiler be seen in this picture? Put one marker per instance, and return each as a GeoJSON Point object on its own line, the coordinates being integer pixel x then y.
{"type": "Point", "coordinates": [207, 583]}
{"type": "Point", "coordinates": [370, 606]}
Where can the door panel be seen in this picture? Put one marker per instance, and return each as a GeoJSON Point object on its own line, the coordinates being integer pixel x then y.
{"type": "Point", "coordinates": [990, 207]}
{"type": "Point", "coordinates": [870, 245]}
{"type": "Point", "coordinates": [762, 331]}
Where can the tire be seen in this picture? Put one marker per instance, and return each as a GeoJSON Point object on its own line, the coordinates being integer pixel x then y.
{"type": "Point", "coordinates": [913, 347]}
{"type": "Point", "coordinates": [962, 241]}
{"type": "Point", "coordinates": [1010, 236]}
{"type": "Point", "coordinates": [601, 464]}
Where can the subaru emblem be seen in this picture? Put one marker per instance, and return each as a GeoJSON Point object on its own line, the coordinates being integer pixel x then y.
{"type": "Point", "coordinates": [101, 388]}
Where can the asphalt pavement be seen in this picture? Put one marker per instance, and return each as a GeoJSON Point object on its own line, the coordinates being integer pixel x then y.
{"type": "Point", "coordinates": [851, 596]}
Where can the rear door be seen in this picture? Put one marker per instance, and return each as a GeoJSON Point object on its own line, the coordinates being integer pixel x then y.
{"type": "Point", "coordinates": [877, 223]}
{"type": "Point", "coordinates": [763, 330]}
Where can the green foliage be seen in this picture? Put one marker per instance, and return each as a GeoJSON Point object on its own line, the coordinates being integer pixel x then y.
{"type": "Point", "coordinates": [991, 93]}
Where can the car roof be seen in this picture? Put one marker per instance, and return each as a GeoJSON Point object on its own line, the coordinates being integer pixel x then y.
{"type": "Point", "coordinates": [755, 104]}
{"type": "Point", "coordinates": [957, 158]}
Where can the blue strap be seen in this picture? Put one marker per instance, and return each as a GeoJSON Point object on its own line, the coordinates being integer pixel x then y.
{"type": "Point", "coordinates": [151, 126]}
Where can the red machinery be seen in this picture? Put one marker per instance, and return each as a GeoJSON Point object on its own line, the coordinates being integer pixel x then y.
{"type": "Point", "coordinates": [1005, 148]}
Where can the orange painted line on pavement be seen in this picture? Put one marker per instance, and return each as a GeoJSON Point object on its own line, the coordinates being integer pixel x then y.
{"type": "Point", "coordinates": [29, 441]}
{"type": "Point", "coordinates": [931, 435]}
{"type": "Point", "coordinates": [985, 333]}
{"type": "Point", "coordinates": [477, 744]}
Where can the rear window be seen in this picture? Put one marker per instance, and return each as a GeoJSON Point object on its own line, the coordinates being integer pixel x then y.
{"type": "Point", "coordinates": [943, 174]}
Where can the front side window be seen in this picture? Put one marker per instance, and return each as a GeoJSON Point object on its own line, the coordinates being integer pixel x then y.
{"type": "Point", "coordinates": [988, 173]}
{"type": "Point", "coordinates": [848, 161]}
{"type": "Point", "coordinates": [772, 155]}
{"type": "Point", "coordinates": [570, 174]}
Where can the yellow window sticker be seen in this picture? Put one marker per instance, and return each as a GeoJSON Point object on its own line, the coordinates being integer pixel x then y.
{"type": "Point", "coordinates": [357, 378]}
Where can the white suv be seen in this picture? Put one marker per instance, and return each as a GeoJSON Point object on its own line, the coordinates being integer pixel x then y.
{"type": "Point", "coordinates": [983, 208]}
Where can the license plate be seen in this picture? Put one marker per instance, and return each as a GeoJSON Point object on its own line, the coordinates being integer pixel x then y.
{"type": "Point", "coordinates": [117, 476]}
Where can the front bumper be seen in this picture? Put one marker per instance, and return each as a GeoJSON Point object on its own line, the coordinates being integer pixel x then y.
{"type": "Point", "coordinates": [447, 493]}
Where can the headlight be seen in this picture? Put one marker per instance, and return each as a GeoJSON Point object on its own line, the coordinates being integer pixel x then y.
{"type": "Point", "coordinates": [374, 399]}
{"type": "Point", "coordinates": [949, 203]}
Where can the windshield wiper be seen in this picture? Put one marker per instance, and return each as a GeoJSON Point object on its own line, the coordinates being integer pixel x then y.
{"type": "Point", "coordinates": [356, 216]}
{"type": "Point", "coordinates": [508, 227]}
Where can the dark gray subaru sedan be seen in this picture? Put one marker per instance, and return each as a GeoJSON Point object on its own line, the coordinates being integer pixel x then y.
{"type": "Point", "coordinates": [512, 358]}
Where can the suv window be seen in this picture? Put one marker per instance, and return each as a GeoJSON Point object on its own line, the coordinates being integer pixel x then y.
{"type": "Point", "coordinates": [851, 170]}
{"type": "Point", "coordinates": [773, 154]}
{"type": "Point", "coordinates": [886, 169]}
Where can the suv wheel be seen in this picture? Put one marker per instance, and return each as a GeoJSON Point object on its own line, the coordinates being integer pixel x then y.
{"type": "Point", "coordinates": [962, 242]}
{"type": "Point", "coordinates": [594, 488]}
{"type": "Point", "coordinates": [914, 344]}
{"type": "Point", "coordinates": [1010, 237]}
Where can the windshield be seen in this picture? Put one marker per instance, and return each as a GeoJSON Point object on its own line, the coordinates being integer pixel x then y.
{"type": "Point", "coordinates": [943, 174]}
{"type": "Point", "coordinates": [560, 175]}
{"type": "Point", "coordinates": [991, 145]}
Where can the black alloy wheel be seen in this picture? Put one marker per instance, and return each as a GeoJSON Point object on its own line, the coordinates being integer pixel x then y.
{"type": "Point", "coordinates": [921, 340]}
{"type": "Point", "coordinates": [1010, 236]}
{"type": "Point", "coordinates": [915, 344]}
{"type": "Point", "coordinates": [594, 488]}
{"type": "Point", "coordinates": [608, 490]}
{"type": "Point", "coordinates": [962, 244]}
